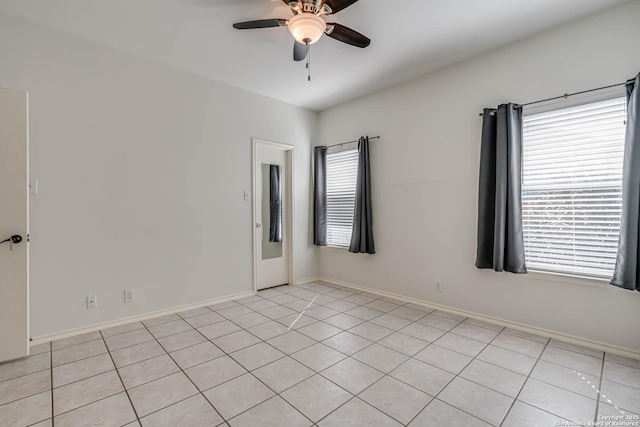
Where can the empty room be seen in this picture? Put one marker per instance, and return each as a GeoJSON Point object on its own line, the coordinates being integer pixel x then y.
{"type": "Point", "coordinates": [332, 213]}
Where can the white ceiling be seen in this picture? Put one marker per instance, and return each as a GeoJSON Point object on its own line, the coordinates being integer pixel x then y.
{"type": "Point", "coordinates": [409, 38]}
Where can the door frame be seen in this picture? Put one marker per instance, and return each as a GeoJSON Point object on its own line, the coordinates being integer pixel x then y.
{"type": "Point", "coordinates": [289, 151]}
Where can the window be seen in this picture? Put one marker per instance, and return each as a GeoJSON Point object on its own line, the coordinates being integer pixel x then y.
{"type": "Point", "coordinates": [342, 169]}
{"type": "Point", "coordinates": [572, 188]}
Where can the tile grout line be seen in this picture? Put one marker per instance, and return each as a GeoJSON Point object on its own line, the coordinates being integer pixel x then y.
{"type": "Point", "coordinates": [248, 371]}
{"type": "Point", "coordinates": [135, 412]}
{"type": "Point", "coordinates": [276, 394]}
{"type": "Point", "coordinates": [525, 383]}
{"type": "Point", "coordinates": [612, 380]}
{"type": "Point", "coordinates": [86, 404]}
{"type": "Point", "coordinates": [145, 359]}
{"type": "Point", "coordinates": [82, 358]}
{"type": "Point", "coordinates": [314, 372]}
{"type": "Point", "coordinates": [599, 391]}
{"type": "Point", "coordinates": [545, 361]}
{"type": "Point", "coordinates": [90, 403]}
{"type": "Point", "coordinates": [84, 378]}
{"type": "Point", "coordinates": [186, 376]}
{"type": "Point", "coordinates": [288, 388]}
{"type": "Point", "coordinates": [454, 377]}
{"type": "Point", "coordinates": [193, 345]}
{"type": "Point", "coordinates": [503, 330]}
{"type": "Point", "coordinates": [29, 373]}
{"type": "Point", "coordinates": [546, 345]}
{"type": "Point", "coordinates": [357, 395]}
{"type": "Point", "coordinates": [230, 319]}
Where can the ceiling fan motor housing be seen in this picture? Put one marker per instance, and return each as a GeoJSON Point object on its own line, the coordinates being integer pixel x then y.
{"type": "Point", "coordinates": [309, 7]}
{"type": "Point", "coordinates": [307, 28]}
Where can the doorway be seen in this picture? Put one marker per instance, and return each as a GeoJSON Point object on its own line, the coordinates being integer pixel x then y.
{"type": "Point", "coordinates": [272, 214]}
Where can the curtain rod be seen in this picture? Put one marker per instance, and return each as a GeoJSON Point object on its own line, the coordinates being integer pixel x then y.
{"type": "Point", "coordinates": [566, 95]}
{"type": "Point", "coordinates": [350, 142]}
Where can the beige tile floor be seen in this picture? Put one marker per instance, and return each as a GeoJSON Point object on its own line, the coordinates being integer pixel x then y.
{"type": "Point", "coordinates": [352, 359]}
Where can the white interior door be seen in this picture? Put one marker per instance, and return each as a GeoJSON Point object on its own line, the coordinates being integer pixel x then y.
{"type": "Point", "coordinates": [272, 237]}
{"type": "Point", "coordinates": [14, 221]}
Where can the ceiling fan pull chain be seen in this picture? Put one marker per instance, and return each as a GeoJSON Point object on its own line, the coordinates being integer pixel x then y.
{"type": "Point", "coordinates": [309, 64]}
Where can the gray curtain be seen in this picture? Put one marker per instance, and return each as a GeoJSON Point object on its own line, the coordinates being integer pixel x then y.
{"type": "Point", "coordinates": [362, 234]}
{"type": "Point", "coordinates": [500, 239]}
{"type": "Point", "coordinates": [626, 274]}
{"type": "Point", "coordinates": [320, 196]}
{"type": "Point", "coordinates": [275, 210]}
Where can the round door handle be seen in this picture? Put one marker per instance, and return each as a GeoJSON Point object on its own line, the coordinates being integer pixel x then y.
{"type": "Point", "coordinates": [258, 225]}
{"type": "Point", "coordinates": [16, 238]}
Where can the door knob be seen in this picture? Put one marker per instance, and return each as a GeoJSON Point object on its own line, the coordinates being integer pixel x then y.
{"type": "Point", "coordinates": [16, 238]}
{"type": "Point", "coordinates": [258, 225]}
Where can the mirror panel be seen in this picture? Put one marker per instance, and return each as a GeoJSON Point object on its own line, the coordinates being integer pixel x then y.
{"type": "Point", "coordinates": [272, 209]}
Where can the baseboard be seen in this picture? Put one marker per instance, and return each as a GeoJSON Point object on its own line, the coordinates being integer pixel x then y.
{"type": "Point", "coordinates": [110, 324]}
{"type": "Point", "coordinates": [308, 280]}
{"type": "Point", "coordinates": [596, 345]}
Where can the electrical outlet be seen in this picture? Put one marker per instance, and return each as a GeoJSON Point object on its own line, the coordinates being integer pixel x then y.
{"type": "Point", "coordinates": [129, 295]}
{"type": "Point", "coordinates": [438, 286]}
{"type": "Point", "coordinates": [92, 301]}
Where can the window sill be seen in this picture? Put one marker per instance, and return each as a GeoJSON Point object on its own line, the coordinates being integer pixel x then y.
{"type": "Point", "coordinates": [568, 278]}
{"type": "Point", "coordinates": [335, 248]}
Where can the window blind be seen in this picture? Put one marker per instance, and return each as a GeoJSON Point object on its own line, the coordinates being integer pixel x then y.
{"type": "Point", "coordinates": [572, 188]}
{"type": "Point", "coordinates": [342, 169]}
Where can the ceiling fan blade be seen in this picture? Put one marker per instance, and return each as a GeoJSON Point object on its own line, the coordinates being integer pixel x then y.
{"type": "Point", "coordinates": [337, 5]}
{"type": "Point", "coordinates": [347, 35]}
{"type": "Point", "coordinates": [261, 23]}
{"type": "Point", "coordinates": [300, 51]}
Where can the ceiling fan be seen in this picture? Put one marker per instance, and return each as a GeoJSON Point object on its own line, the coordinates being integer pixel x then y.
{"type": "Point", "coordinates": [308, 25]}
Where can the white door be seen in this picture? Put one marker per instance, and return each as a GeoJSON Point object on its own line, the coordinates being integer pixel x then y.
{"type": "Point", "coordinates": [14, 221]}
{"type": "Point", "coordinates": [270, 193]}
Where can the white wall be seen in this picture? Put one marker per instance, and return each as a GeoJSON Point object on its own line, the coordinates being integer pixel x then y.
{"type": "Point", "coordinates": [426, 176]}
{"type": "Point", "coordinates": [141, 172]}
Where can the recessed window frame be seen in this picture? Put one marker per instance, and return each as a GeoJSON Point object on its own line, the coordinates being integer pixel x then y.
{"type": "Point", "coordinates": [342, 168]}
{"type": "Point", "coordinates": [554, 274]}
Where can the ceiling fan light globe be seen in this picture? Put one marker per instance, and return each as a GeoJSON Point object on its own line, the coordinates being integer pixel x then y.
{"type": "Point", "coordinates": [307, 28]}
